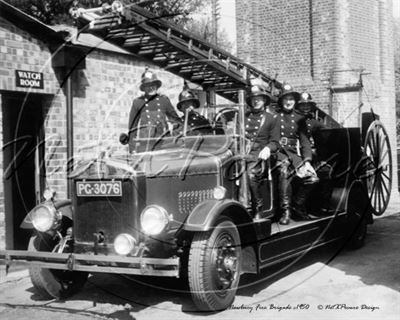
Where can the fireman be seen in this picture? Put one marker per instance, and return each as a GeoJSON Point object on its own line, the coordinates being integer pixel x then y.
{"type": "Point", "coordinates": [306, 107]}
{"type": "Point", "coordinates": [194, 122]}
{"type": "Point", "coordinates": [295, 155]}
{"type": "Point", "coordinates": [150, 112]}
{"type": "Point", "coordinates": [263, 135]}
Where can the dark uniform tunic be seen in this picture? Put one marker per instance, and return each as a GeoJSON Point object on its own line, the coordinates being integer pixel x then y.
{"type": "Point", "coordinates": [262, 131]}
{"type": "Point", "coordinates": [312, 126]}
{"type": "Point", "coordinates": [293, 130]}
{"type": "Point", "coordinates": [148, 116]}
{"type": "Point", "coordinates": [197, 124]}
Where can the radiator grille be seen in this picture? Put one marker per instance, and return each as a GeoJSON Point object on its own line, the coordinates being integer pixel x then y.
{"type": "Point", "coordinates": [110, 215]}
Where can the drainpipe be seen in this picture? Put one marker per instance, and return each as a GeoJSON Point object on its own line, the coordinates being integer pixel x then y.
{"type": "Point", "coordinates": [310, 17]}
{"type": "Point", "coordinates": [70, 134]}
{"type": "Point", "coordinates": [67, 60]}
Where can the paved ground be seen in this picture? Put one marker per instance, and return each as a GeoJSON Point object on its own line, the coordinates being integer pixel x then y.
{"type": "Point", "coordinates": [362, 284]}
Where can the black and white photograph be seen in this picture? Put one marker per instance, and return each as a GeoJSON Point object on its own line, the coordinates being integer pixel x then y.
{"type": "Point", "coordinates": [200, 159]}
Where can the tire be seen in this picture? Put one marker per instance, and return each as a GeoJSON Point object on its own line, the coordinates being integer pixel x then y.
{"type": "Point", "coordinates": [213, 281]}
{"type": "Point", "coordinates": [53, 283]}
{"type": "Point", "coordinates": [358, 234]}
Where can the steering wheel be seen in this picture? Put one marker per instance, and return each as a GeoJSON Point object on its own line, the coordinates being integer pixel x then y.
{"type": "Point", "coordinates": [223, 113]}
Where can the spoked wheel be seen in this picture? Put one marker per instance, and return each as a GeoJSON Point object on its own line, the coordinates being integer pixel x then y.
{"type": "Point", "coordinates": [378, 165]}
{"type": "Point", "coordinates": [53, 283]}
{"type": "Point", "coordinates": [214, 266]}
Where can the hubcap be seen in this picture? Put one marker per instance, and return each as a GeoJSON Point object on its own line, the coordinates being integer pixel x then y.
{"type": "Point", "coordinates": [226, 261]}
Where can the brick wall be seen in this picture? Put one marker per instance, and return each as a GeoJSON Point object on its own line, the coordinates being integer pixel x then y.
{"type": "Point", "coordinates": [102, 96]}
{"type": "Point", "coordinates": [396, 36]}
{"type": "Point", "coordinates": [304, 40]}
{"type": "Point", "coordinates": [2, 218]}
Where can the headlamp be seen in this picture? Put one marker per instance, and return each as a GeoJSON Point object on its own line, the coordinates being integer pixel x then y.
{"type": "Point", "coordinates": [45, 217]}
{"type": "Point", "coordinates": [124, 243]}
{"type": "Point", "coordinates": [154, 219]}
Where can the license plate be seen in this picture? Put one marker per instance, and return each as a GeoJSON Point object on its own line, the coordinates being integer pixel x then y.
{"type": "Point", "coordinates": [99, 189]}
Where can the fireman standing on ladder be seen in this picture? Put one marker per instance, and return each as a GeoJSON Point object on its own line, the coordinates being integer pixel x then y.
{"type": "Point", "coordinates": [295, 155]}
{"type": "Point", "coordinates": [150, 112]}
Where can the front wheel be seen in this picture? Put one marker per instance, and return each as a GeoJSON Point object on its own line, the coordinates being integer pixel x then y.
{"type": "Point", "coordinates": [53, 283]}
{"type": "Point", "coordinates": [214, 266]}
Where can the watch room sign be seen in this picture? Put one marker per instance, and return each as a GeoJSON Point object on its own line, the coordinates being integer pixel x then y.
{"type": "Point", "coordinates": [28, 79]}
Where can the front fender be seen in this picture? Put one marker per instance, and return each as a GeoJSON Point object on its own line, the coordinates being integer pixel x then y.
{"type": "Point", "coordinates": [204, 215]}
{"type": "Point", "coordinates": [64, 206]}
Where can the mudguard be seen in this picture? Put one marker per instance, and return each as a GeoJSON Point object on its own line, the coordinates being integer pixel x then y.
{"type": "Point", "coordinates": [358, 203]}
{"type": "Point", "coordinates": [64, 206]}
{"type": "Point", "coordinates": [352, 199]}
{"type": "Point", "coordinates": [204, 215]}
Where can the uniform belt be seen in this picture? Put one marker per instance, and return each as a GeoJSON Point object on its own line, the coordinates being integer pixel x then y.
{"type": "Point", "coordinates": [290, 142]}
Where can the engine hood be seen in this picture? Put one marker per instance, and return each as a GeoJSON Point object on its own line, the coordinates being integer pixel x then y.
{"type": "Point", "coordinates": [178, 162]}
{"type": "Point", "coordinates": [102, 168]}
{"type": "Point", "coordinates": [164, 163]}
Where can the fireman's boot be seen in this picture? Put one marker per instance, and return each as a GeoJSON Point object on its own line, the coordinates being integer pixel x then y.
{"type": "Point", "coordinates": [284, 195]}
{"type": "Point", "coordinates": [299, 200]}
{"type": "Point", "coordinates": [255, 179]}
{"type": "Point", "coordinates": [326, 194]}
{"type": "Point", "coordinates": [285, 207]}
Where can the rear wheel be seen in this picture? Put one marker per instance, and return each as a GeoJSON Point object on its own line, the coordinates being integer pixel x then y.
{"type": "Point", "coordinates": [378, 165]}
{"type": "Point", "coordinates": [214, 266]}
{"type": "Point", "coordinates": [51, 283]}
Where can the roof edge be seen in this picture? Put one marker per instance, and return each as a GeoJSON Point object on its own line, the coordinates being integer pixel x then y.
{"type": "Point", "coordinates": [29, 23]}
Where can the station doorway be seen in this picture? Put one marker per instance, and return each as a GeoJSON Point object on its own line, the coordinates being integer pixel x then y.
{"type": "Point", "coordinates": [23, 154]}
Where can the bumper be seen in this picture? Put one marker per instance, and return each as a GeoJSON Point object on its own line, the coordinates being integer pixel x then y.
{"type": "Point", "coordinates": [96, 263]}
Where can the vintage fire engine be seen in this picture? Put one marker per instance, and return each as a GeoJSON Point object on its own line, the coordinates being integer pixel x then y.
{"type": "Point", "coordinates": [178, 206]}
